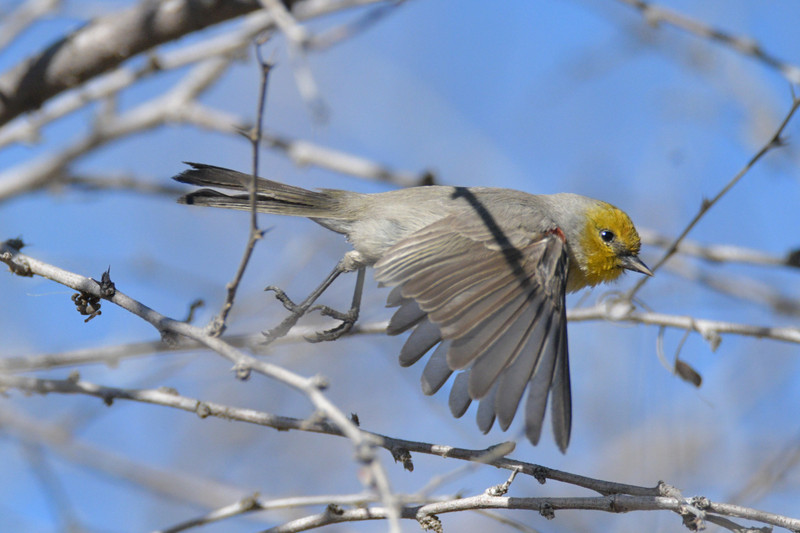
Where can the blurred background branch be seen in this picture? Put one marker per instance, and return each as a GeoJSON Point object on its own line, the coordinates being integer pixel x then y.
{"type": "Point", "coordinates": [100, 102]}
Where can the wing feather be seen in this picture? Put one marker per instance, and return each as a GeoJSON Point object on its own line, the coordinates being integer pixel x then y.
{"type": "Point", "coordinates": [459, 396]}
{"type": "Point", "coordinates": [515, 340]}
{"type": "Point", "coordinates": [439, 285]}
{"type": "Point", "coordinates": [471, 345]}
{"type": "Point", "coordinates": [516, 376]}
{"type": "Point", "coordinates": [436, 371]}
{"type": "Point", "coordinates": [496, 304]}
{"type": "Point", "coordinates": [424, 337]}
{"type": "Point", "coordinates": [405, 318]}
{"type": "Point", "coordinates": [540, 383]}
{"type": "Point", "coordinates": [561, 409]}
{"type": "Point", "coordinates": [485, 416]}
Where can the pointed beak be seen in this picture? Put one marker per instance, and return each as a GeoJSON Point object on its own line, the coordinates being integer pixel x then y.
{"type": "Point", "coordinates": [632, 262]}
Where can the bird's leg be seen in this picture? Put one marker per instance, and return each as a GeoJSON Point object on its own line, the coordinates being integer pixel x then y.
{"type": "Point", "coordinates": [348, 318]}
{"type": "Point", "coordinates": [296, 311]}
{"type": "Point", "coordinates": [350, 262]}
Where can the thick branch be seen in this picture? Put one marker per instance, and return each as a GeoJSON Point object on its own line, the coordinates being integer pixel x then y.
{"type": "Point", "coordinates": [103, 44]}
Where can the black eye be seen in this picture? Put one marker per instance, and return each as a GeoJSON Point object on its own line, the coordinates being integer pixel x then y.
{"type": "Point", "coordinates": [607, 235]}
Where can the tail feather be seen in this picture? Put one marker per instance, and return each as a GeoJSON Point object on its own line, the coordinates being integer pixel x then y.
{"type": "Point", "coordinates": [271, 196]}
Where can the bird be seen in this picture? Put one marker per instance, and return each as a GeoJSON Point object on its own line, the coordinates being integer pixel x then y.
{"type": "Point", "coordinates": [478, 274]}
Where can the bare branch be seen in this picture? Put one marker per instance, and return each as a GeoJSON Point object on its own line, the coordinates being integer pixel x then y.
{"type": "Point", "coordinates": [618, 503]}
{"type": "Point", "coordinates": [744, 288]}
{"type": "Point", "coordinates": [711, 330]}
{"type": "Point", "coordinates": [229, 44]}
{"type": "Point", "coordinates": [114, 354]}
{"type": "Point", "coordinates": [656, 15]}
{"type": "Point", "coordinates": [110, 127]}
{"type": "Point", "coordinates": [103, 44]}
{"type": "Point", "coordinates": [774, 142]}
{"type": "Point", "coordinates": [311, 387]}
{"type": "Point", "coordinates": [619, 498]}
{"type": "Point", "coordinates": [255, 503]}
{"type": "Point", "coordinates": [303, 153]}
{"type": "Point", "coordinates": [296, 34]}
{"type": "Point", "coordinates": [217, 325]}
{"type": "Point", "coordinates": [493, 456]}
{"type": "Point", "coordinates": [170, 483]}
{"type": "Point", "coordinates": [23, 17]}
{"type": "Point", "coordinates": [717, 253]}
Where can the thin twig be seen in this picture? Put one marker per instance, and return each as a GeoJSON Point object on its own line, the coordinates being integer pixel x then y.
{"type": "Point", "coordinates": [110, 127]}
{"type": "Point", "coordinates": [102, 45]}
{"type": "Point", "coordinates": [616, 497]}
{"type": "Point", "coordinates": [656, 15]}
{"type": "Point", "coordinates": [243, 363]}
{"type": "Point", "coordinates": [546, 506]}
{"type": "Point", "coordinates": [28, 128]}
{"type": "Point", "coordinates": [217, 325]}
{"type": "Point", "coordinates": [711, 330]}
{"type": "Point", "coordinates": [774, 142]}
{"type": "Point", "coordinates": [255, 503]}
{"type": "Point", "coordinates": [25, 15]}
{"type": "Point", "coordinates": [717, 253]}
{"type": "Point", "coordinates": [163, 482]}
{"type": "Point", "coordinates": [298, 38]}
{"type": "Point", "coordinates": [492, 456]}
{"type": "Point", "coordinates": [112, 355]}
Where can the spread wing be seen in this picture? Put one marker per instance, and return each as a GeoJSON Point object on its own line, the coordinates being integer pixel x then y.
{"type": "Point", "coordinates": [494, 302]}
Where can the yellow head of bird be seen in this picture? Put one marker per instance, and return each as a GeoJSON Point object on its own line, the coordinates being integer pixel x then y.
{"type": "Point", "coordinates": [609, 244]}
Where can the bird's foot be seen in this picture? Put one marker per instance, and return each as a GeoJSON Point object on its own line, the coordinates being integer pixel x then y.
{"type": "Point", "coordinates": [347, 318]}
{"type": "Point", "coordinates": [296, 311]}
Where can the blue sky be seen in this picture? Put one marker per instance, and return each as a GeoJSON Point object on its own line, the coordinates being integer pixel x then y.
{"type": "Point", "coordinates": [577, 96]}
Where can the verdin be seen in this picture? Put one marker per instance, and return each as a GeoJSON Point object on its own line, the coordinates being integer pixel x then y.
{"type": "Point", "coordinates": [481, 272]}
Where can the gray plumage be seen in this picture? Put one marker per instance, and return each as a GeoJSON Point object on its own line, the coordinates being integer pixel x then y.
{"type": "Point", "coordinates": [480, 272]}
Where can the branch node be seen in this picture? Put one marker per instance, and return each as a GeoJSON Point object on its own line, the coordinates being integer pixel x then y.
{"type": "Point", "coordinates": [547, 511]}
{"type": "Point", "coordinates": [793, 258]}
{"type": "Point", "coordinates": [693, 522]}
{"type": "Point", "coordinates": [711, 336]}
{"type": "Point", "coordinates": [403, 455]}
{"type": "Point", "coordinates": [701, 502]}
{"type": "Point", "coordinates": [540, 473]}
{"type": "Point", "coordinates": [693, 516]}
{"type": "Point", "coordinates": [778, 141]}
{"type": "Point", "coordinates": [17, 244]}
{"type": "Point", "coordinates": [250, 503]}
{"type": "Point", "coordinates": [669, 491]}
{"type": "Point", "coordinates": [217, 326]}
{"type": "Point", "coordinates": [169, 338]}
{"type": "Point", "coordinates": [87, 305]}
{"type": "Point", "coordinates": [502, 488]}
{"type": "Point", "coordinates": [430, 522]}
{"type": "Point", "coordinates": [320, 382]}
{"type": "Point", "coordinates": [242, 371]}
{"type": "Point", "coordinates": [107, 287]}
{"type": "Point", "coordinates": [202, 410]}
{"type": "Point", "coordinates": [334, 509]}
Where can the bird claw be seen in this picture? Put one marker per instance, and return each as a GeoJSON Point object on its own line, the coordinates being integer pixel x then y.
{"type": "Point", "coordinates": [287, 302]}
{"type": "Point", "coordinates": [296, 311]}
{"type": "Point", "coordinates": [348, 320]}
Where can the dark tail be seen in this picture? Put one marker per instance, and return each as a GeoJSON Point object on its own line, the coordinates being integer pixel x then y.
{"type": "Point", "coordinates": [271, 196]}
